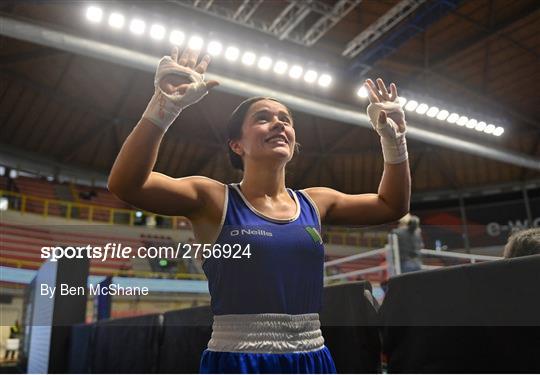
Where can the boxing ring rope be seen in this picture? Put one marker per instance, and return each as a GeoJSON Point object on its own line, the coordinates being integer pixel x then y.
{"type": "Point", "coordinates": [392, 266]}
{"type": "Point", "coordinates": [356, 273]}
{"type": "Point", "coordinates": [351, 258]}
{"type": "Point", "coordinates": [448, 254]}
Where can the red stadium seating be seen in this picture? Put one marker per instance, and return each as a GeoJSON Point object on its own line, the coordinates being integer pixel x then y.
{"type": "Point", "coordinates": [24, 243]}
{"type": "Point", "coordinates": [102, 197]}
{"type": "Point", "coordinates": [40, 188]}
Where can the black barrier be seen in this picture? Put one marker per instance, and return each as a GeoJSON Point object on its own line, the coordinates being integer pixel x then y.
{"type": "Point", "coordinates": [349, 327]}
{"type": "Point", "coordinates": [80, 352]}
{"type": "Point", "coordinates": [185, 336]}
{"type": "Point", "coordinates": [473, 318]}
{"type": "Point", "coordinates": [128, 345]}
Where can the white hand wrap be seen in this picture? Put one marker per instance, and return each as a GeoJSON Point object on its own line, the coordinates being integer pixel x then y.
{"type": "Point", "coordinates": [164, 108]}
{"type": "Point", "coordinates": [394, 144]}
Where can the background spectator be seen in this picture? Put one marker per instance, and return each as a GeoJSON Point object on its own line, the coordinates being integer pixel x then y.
{"type": "Point", "coordinates": [410, 243]}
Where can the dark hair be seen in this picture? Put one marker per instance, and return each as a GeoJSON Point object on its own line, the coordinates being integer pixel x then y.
{"type": "Point", "coordinates": [522, 243]}
{"type": "Point", "coordinates": [234, 126]}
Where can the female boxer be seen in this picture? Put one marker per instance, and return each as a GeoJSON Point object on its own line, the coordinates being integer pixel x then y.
{"type": "Point", "coordinates": [265, 299]}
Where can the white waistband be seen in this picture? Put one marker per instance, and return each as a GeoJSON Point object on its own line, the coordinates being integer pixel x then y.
{"type": "Point", "coordinates": [266, 333]}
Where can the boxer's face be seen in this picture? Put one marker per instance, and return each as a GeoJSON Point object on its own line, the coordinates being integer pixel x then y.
{"type": "Point", "coordinates": [267, 133]}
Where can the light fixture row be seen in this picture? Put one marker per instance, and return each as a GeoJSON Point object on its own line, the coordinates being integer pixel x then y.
{"type": "Point", "coordinates": [442, 115]}
{"type": "Point", "coordinates": [158, 32]}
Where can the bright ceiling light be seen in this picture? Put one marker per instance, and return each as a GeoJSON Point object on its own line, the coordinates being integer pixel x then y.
{"type": "Point", "coordinates": [453, 118]}
{"type": "Point", "coordinates": [432, 112]}
{"type": "Point", "coordinates": [137, 26]}
{"type": "Point", "coordinates": [362, 92]}
{"type": "Point", "coordinates": [481, 126]}
{"type": "Point", "coordinates": [195, 42]}
{"type": "Point", "coordinates": [462, 120]}
{"type": "Point", "coordinates": [310, 76]}
{"type": "Point", "coordinates": [325, 80]}
{"type": "Point", "coordinates": [116, 20]}
{"type": "Point", "coordinates": [442, 115]}
{"type": "Point", "coordinates": [401, 100]}
{"type": "Point", "coordinates": [280, 67]}
{"type": "Point", "coordinates": [248, 58]}
{"type": "Point", "coordinates": [157, 32]}
{"type": "Point", "coordinates": [94, 14]}
{"type": "Point", "coordinates": [264, 63]}
{"type": "Point", "coordinates": [214, 48]}
{"type": "Point", "coordinates": [177, 37]}
{"type": "Point", "coordinates": [295, 72]}
{"type": "Point", "coordinates": [411, 105]}
{"type": "Point", "coordinates": [422, 108]}
{"type": "Point", "coordinates": [232, 53]}
{"type": "Point", "coordinates": [489, 129]}
{"type": "Point", "coordinates": [498, 131]}
{"type": "Point", "coordinates": [471, 123]}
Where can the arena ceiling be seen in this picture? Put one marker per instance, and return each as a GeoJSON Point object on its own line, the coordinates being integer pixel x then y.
{"type": "Point", "coordinates": [479, 57]}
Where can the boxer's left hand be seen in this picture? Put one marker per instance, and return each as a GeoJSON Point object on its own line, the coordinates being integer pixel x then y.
{"type": "Point", "coordinates": [388, 120]}
{"type": "Point", "coordinates": [384, 108]}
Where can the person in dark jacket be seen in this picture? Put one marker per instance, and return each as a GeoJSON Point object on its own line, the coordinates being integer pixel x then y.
{"type": "Point", "coordinates": [14, 333]}
{"type": "Point", "coordinates": [410, 243]}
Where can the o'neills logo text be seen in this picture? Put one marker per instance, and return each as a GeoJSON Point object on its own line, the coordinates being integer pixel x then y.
{"type": "Point", "coordinates": [250, 232]}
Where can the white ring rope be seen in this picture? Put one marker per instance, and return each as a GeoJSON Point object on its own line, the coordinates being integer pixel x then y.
{"type": "Point", "coordinates": [389, 249]}
{"type": "Point", "coordinates": [356, 273]}
{"type": "Point", "coordinates": [472, 257]}
{"type": "Point", "coordinates": [350, 258]}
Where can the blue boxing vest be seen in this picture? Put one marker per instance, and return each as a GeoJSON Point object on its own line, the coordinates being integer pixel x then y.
{"type": "Point", "coordinates": [285, 271]}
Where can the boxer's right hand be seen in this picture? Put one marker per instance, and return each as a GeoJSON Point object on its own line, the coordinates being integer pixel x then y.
{"type": "Point", "coordinates": [179, 83]}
